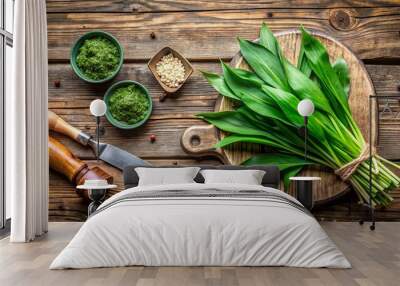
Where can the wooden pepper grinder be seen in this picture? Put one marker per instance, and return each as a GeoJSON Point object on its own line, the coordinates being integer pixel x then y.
{"type": "Point", "coordinates": [63, 161]}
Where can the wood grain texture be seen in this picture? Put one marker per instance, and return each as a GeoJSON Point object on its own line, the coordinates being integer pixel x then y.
{"type": "Point", "coordinates": [387, 82]}
{"type": "Point", "coordinates": [141, 6]}
{"type": "Point", "coordinates": [208, 35]}
{"type": "Point", "coordinates": [204, 31]}
{"type": "Point", "coordinates": [375, 258]}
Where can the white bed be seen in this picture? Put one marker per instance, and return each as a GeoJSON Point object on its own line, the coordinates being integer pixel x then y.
{"type": "Point", "coordinates": [169, 226]}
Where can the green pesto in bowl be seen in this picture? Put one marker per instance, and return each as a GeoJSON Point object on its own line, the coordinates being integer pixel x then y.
{"type": "Point", "coordinates": [97, 57]}
{"type": "Point", "coordinates": [128, 104]}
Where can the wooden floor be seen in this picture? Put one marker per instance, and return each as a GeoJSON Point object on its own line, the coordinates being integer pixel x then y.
{"type": "Point", "coordinates": [375, 257]}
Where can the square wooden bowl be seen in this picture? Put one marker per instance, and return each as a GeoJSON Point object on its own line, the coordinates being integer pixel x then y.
{"type": "Point", "coordinates": [163, 52]}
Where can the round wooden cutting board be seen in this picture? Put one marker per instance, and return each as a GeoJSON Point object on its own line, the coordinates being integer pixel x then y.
{"type": "Point", "coordinates": [199, 140]}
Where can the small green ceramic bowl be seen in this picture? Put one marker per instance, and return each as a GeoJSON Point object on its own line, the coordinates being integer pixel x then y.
{"type": "Point", "coordinates": [79, 43]}
{"type": "Point", "coordinates": [109, 94]}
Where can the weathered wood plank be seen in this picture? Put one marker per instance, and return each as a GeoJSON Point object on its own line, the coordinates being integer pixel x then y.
{"type": "Point", "coordinates": [386, 78]}
{"type": "Point", "coordinates": [370, 32]}
{"type": "Point", "coordinates": [138, 6]}
{"type": "Point", "coordinates": [167, 145]}
{"type": "Point", "coordinates": [387, 83]}
{"type": "Point", "coordinates": [196, 92]}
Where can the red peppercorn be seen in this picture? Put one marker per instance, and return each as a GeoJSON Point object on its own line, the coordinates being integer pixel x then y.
{"type": "Point", "coordinates": [152, 138]}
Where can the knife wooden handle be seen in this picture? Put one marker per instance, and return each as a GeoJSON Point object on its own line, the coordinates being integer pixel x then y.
{"type": "Point", "coordinates": [56, 123]}
{"type": "Point", "coordinates": [63, 161]}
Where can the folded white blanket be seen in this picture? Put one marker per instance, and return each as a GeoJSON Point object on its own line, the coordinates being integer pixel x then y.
{"type": "Point", "coordinates": [201, 224]}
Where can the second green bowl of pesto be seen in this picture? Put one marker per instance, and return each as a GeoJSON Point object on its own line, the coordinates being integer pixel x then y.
{"type": "Point", "coordinates": [97, 57]}
{"type": "Point", "coordinates": [128, 103]}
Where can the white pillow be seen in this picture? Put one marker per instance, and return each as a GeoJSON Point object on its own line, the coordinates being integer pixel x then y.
{"type": "Point", "coordinates": [248, 177]}
{"type": "Point", "coordinates": [166, 176]}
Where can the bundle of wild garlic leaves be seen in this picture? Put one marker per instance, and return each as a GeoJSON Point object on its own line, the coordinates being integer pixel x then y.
{"type": "Point", "coordinates": [267, 99]}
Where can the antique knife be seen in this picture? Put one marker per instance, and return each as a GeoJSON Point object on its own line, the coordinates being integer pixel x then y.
{"type": "Point", "coordinates": [108, 153]}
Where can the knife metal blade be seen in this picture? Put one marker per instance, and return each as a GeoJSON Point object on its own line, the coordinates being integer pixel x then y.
{"type": "Point", "coordinates": [116, 156]}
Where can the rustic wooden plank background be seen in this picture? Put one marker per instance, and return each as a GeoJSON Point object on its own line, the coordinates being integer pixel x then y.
{"type": "Point", "coordinates": [205, 31]}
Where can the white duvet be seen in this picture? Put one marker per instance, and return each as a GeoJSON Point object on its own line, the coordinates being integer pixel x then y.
{"type": "Point", "coordinates": [190, 231]}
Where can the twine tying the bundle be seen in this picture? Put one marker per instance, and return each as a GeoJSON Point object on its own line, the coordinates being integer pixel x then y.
{"type": "Point", "coordinates": [348, 169]}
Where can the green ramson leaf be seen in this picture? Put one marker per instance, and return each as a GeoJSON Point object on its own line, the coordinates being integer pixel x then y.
{"type": "Point", "coordinates": [288, 104]}
{"type": "Point", "coordinates": [242, 125]}
{"type": "Point", "coordinates": [262, 108]}
{"type": "Point", "coordinates": [283, 161]}
{"type": "Point", "coordinates": [318, 60]}
{"type": "Point", "coordinates": [251, 94]}
{"type": "Point", "coordinates": [264, 63]}
{"type": "Point", "coordinates": [279, 131]}
{"type": "Point", "coordinates": [268, 40]}
{"type": "Point", "coordinates": [304, 87]}
{"type": "Point", "coordinates": [231, 121]}
{"type": "Point", "coordinates": [290, 172]}
{"type": "Point", "coordinates": [271, 142]}
{"type": "Point", "coordinates": [324, 122]}
{"type": "Point", "coordinates": [235, 138]}
{"type": "Point", "coordinates": [289, 165]}
{"type": "Point", "coordinates": [248, 75]}
{"type": "Point", "coordinates": [286, 101]}
{"type": "Point", "coordinates": [342, 70]}
{"type": "Point", "coordinates": [302, 62]}
{"type": "Point", "coordinates": [258, 120]}
{"type": "Point", "coordinates": [243, 84]}
{"type": "Point", "coordinates": [290, 133]}
{"type": "Point", "coordinates": [219, 84]}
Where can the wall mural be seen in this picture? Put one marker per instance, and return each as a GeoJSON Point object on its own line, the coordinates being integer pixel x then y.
{"type": "Point", "coordinates": [157, 114]}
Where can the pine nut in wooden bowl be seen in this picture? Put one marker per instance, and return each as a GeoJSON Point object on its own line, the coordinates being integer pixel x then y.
{"type": "Point", "coordinates": [170, 69]}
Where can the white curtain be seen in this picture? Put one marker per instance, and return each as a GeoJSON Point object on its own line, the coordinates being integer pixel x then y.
{"type": "Point", "coordinates": [26, 124]}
